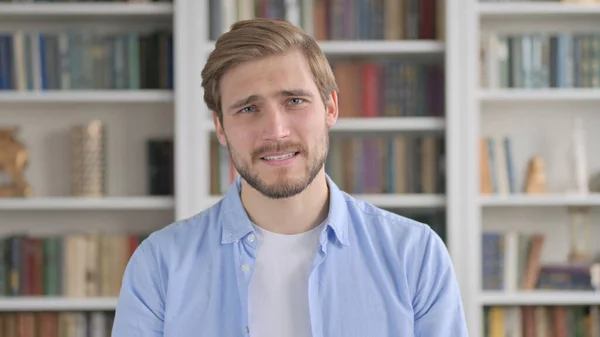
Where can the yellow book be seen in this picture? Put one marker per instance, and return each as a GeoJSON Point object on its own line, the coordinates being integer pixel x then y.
{"type": "Point", "coordinates": [496, 319]}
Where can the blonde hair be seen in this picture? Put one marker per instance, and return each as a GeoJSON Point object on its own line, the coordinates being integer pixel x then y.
{"type": "Point", "coordinates": [256, 38]}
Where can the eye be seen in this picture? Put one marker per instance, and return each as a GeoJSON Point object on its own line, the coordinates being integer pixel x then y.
{"type": "Point", "coordinates": [296, 101]}
{"type": "Point", "coordinates": [247, 109]}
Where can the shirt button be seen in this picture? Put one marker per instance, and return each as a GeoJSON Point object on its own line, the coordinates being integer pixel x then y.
{"type": "Point", "coordinates": [246, 330]}
{"type": "Point", "coordinates": [245, 267]}
{"type": "Point", "coordinates": [251, 238]}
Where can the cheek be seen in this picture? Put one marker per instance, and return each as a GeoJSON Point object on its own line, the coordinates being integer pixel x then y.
{"type": "Point", "coordinates": [307, 122]}
{"type": "Point", "coordinates": [240, 141]}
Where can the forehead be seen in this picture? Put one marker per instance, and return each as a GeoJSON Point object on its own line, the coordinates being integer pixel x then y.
{"type": "Point", "coordinates": [266, 76]}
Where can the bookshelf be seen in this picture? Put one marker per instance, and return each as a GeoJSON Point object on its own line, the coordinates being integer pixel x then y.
{"type": "Point", "coordinates": [522, 114]}
{"type": "Point", "coordinates": [134, 115]}
{"type": "Point", "coordinates": [45, 104]}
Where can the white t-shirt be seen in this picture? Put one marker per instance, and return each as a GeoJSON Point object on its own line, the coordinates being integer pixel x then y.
{"type": "Point", "coordinates": [278, 293]}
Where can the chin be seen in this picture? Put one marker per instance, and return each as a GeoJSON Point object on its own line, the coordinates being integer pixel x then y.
{"type": "Point", "coordinates": [279, 185]}
{"type": "Point", "coordinates": [282, 186]}
{"type": "Point", "coordinates": [280, 182]}
{"type": "Point", "coordinates": [281, 190]}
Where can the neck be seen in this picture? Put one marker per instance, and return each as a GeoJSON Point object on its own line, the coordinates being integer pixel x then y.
{"type": "Point", "coordinates": [294, 215]}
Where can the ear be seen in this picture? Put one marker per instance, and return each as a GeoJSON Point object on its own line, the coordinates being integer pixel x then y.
{"type": "Point", "coordinates": [331, 107]}
{"type": "Point", "coordinates": [219, 130]}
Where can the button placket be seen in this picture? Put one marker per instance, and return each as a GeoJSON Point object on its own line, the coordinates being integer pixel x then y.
{"type": "Point", "coordinates": [246, 249]}
{"type": "Point", "coordinates": [247, 262]}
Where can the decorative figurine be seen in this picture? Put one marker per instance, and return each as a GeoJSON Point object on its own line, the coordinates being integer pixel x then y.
{"type": "Point", "coordinates": [580, 168]}
{"type": "Point", "coordinates": [536, 176]}
{"type": "Point", "coordinates": [88, 160]}
{"type": "Point", "coordinates": [14, 158]}
{"type": "Point", "coordinates": [580, 235]}
{"type": "Point", "coordinates": [595, 276]}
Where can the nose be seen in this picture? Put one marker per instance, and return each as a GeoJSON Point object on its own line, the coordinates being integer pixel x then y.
{"type": "Point", "coordinates": [275, 123]}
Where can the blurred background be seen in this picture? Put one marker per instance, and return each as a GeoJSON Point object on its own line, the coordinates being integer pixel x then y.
{"type": "Point", "coordinates": [478, 118]}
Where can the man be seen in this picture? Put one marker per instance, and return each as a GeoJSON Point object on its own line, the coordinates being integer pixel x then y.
{"type": "Point", "coordinates": [285, 253]}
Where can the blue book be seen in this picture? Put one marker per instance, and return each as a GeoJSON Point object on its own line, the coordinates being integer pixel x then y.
{"type": "Point", "coordinates": [4, 66]}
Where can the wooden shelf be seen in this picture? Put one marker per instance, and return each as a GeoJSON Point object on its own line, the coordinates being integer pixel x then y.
{"type": "Point", "coordinates": [410, 201]}
{"type": "Point", "coordinates": [381, 124]}
{"type": "Point", "coordinates": [74, 203]}
{"type": "Point", "coordinates": [524, 10]}
{"type": "Point", "coordinates": [86, 96]}
{"type": "Point", "coordinates": [404, 200]}
{"type": "Point", "coordinates": [57, 304]}
{"type": "Point", "coordinates": [382, 47]}
{"type": "Point", "coordinates": [540, 95]}
{"type": "Point", "coordinates": [30, 11]}
{"type": "Point", "coordinates": [539, 297]}
{"type": "Point", "coordinates": [377, 47]}
{"type": "Point", "coordinates": [389, 124]}
{"type": "Point", "coordinates": [552, 200]}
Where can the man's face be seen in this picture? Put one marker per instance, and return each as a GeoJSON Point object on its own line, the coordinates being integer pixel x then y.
{"type": "Point", "coordinates": [275, 123]}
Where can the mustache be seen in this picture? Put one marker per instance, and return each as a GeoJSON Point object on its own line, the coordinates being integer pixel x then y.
{"type": "Point", "coordinates": [277, 147]}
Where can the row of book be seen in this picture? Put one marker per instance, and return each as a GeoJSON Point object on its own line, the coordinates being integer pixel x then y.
{"type": "Point", "coordinates": [541, 60]}
{"type": "Point", "coordinates": [388, 19]}
{"type": "Point", "coordinates": [57, 324]}
{"type": "Point", "coordinates": [76, 59]}
{"type": "Point", "coordinates": [339, 19]}
{"type": "Point", "coordinates": [389, 88]}
{"type": "Point", "coordinates": [541, 321]}
{"type": "Point", "coordinates": [511, 261]}
{"type": "Point", "coordinates": [70, 265]}
{"type": "Point", "coordinates": [398, 164]}
{"type": "Point", "coordinates": [496, 163]}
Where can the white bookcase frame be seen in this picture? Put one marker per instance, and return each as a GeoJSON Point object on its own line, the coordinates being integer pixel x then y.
{"type": "Point", "coordinates": [484, 211]}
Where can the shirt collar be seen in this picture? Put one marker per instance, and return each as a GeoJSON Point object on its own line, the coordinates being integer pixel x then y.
{"type": "Point", "coordinates": [236, 223]}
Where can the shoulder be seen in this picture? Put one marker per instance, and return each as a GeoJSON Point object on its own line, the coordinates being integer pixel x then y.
{"type": "Point", "coordinates": [178, 237]}
{"type": "Point", "coordinates": [384, 224]}
{"type": "Point", "coordinates": [413, 251]}
{"type": "Point", "coordinates": [389, 235]}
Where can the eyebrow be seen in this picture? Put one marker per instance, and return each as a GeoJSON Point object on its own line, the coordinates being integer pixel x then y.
{"type": "Point", "coordinates": [244, 101]}
{"type": "Point", "coordinates": [252, 98]}
{"type": "Point", "coordinates": [295, 92]}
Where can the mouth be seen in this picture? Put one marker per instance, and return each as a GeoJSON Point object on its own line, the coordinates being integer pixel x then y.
{"type": "Point", "coordinates": [279, 156]}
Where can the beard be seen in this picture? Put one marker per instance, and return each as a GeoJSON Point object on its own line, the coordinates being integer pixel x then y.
{"type": "Point", "coordinates": [284, 186]}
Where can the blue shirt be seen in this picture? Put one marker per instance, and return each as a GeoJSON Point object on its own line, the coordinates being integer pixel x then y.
{"type": "Point", "coordinates": [376, 274]}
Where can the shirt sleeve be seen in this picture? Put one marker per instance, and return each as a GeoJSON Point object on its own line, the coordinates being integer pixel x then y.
{"type": "Point", "coordinates": [437, 302]}
{"type": "Point", "coordinates": [140, 308]}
